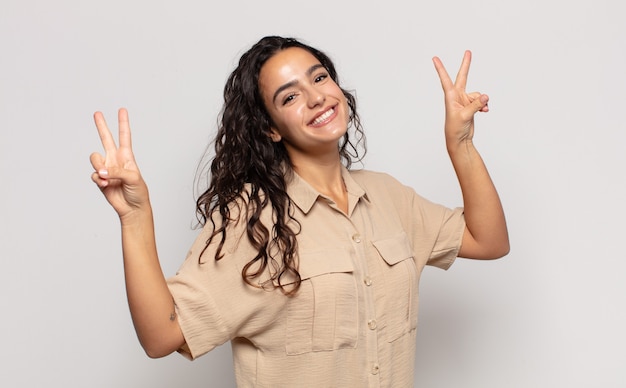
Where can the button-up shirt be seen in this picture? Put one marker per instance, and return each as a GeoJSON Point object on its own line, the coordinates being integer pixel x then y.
{"type": "Point", "coordinates": [353, 321]}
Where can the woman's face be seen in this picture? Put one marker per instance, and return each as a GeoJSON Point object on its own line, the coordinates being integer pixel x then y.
{"type": "Point", "coordinates": [308, 109]}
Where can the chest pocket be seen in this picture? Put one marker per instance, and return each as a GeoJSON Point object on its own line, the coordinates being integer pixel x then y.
{"type": "Point", "coordinates": [323, 315]}
{"type": "Point", "coordinates": [401, 285]}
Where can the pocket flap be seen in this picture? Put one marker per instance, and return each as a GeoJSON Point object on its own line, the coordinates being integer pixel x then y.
{"type": "Point", "coordinates": [394, 249]}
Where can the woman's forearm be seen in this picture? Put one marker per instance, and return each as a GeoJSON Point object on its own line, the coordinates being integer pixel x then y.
{"type": "Point", "coordinates": [150, 302]}
{"type": "Point", "coordinates": [484, 215]}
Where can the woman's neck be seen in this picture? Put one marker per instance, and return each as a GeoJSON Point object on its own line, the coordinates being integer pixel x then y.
{"type": "Point", "coordinates": [324, 175]}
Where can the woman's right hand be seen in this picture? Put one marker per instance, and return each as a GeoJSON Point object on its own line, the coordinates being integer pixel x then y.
{"type": "Point", "coordinates": [116, 173]}
{"type": "Point", "coordinates": [150, 301]}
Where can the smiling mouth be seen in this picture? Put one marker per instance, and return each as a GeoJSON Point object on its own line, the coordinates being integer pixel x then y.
{"type": "Point", "coordinates": [323, 117]}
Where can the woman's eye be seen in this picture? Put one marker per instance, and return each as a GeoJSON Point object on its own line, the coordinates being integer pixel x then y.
{"type": "Point", "coordinates": [288, 99]}
{"type": "Point", "coordinates": [321, 77]}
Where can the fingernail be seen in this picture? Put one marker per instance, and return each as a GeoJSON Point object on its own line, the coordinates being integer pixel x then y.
{"type": "Point", "coordinates": [103, 173]}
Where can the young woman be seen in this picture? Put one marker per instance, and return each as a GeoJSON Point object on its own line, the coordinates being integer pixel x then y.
{"type": "Point", "coordinates": [310, 269]}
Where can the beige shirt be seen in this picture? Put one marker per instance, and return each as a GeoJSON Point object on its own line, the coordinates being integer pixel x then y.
{"type": "Point", "coordinates": [353, 321]}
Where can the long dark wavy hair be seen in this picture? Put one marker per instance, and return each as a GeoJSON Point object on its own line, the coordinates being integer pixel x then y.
{"type": "Point", "coordinates": [251, 171]}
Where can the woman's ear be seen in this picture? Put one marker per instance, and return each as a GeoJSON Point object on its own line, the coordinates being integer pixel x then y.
{"type": "Point", "coordinates": [274, 135]}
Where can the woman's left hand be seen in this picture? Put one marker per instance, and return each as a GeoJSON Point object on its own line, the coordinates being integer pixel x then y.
{"type": "Point", "coordinates": [460, 105]}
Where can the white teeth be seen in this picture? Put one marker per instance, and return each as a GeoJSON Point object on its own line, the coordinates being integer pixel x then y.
{"type": "Point", "coordinates": [323, 117]}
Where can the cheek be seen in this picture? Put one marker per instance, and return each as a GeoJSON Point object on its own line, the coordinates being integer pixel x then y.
{"type": "Point", "coordinates": [292, 115]}
{"type": "Point", "coordinates": [297, 114]}
{"type": "Point", "coordinates": [287, 120]}
{"type": "Point", "coordinates": [346, 108]}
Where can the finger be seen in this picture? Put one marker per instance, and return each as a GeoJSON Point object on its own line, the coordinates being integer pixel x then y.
{"type": "Point", "coordinates": [124, 128]}
{"type": "Point", "coordinates": [461, 77]}
{"type": "Point", "coordinates": [120, 174]}
{"type": "Point", "coordinates": [99, 164]}
{"type": "Point", "coordinates": [446, 81]}
{"type": "Point", "coordinates": [479, 104]}
{"type": "Point", "coordinates": [105, 134]}
{"type": "Point", "coordinates": [98, 180]}
{"type": "Point", "coordinates": [474, 95]}
{"type": "Point", "coordinates": [97, 161]}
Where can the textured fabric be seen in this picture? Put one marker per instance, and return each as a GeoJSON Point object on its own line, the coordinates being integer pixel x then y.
{"type": "Point", "coordinates": [353, 322]}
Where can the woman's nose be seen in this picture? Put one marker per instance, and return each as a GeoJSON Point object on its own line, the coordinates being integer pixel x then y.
{"type": "Point", "coordinates": [316, 98]}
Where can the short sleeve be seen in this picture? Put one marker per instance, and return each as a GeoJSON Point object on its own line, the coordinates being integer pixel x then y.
{"type": "Point", "coordinates": [213, 303]}
{"type": "Point", "coordinates": [436, 231]}
{"type": "Point", "coordinates": [449, 238]}
{"type": "Point", "coordinates": [195, 289]}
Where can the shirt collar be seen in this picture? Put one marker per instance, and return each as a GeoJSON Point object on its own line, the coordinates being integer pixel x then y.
{"type": "Point", "coordinates": [305, 196]}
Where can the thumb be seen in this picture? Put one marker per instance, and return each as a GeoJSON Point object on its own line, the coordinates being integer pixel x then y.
{"type": "Point", "coordinates": [130, 177]}
{"type": "Point", "coordinates": [480, 104]}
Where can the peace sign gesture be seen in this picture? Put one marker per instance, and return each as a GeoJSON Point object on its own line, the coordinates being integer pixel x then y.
{"type": "Point", "coordinates": [116, 173]}
{"type": "Point", "coordinates": [460, 105]}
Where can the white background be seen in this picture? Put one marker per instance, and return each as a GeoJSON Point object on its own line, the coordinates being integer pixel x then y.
{"type": "Point", "coordinates": [551, 314]}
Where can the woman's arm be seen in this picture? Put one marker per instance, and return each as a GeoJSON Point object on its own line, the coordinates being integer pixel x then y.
{"type": "Point", "coordinates": [485, 235]}
{"type": "Point", "coordinates": [151, 304]}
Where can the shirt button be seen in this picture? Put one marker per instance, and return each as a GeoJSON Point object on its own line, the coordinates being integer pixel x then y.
{"type": "Point", "coordinates": [357, 238]}
{"type": "Point", "coordinates": [372, 324]}
{"type": "Point", "coordinates": [375, 369]}
{"type": "Point", "coordinates": [368, 281]}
